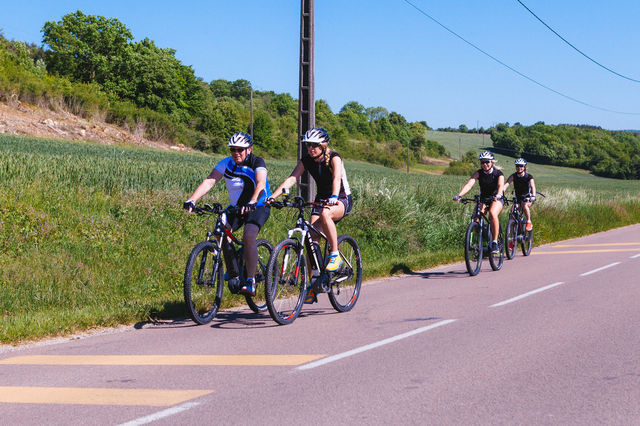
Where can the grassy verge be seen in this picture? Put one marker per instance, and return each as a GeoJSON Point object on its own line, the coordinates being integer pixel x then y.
{"type": "Point", "coordinates": [94, 236]}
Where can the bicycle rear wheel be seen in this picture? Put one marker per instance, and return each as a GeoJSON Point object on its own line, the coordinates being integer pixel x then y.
{"type": "Point", "coordinates": [473, 248]}
{"type": "Point", "coordinates": [527, 242]}
{"type": "Point", "coordinates": [496, 259]}
{"type": "Point", "coordinates": [286, 283]}
{"type": "Point", "coordinates": [203, 282]}
{"type": "Point", "coordinates": [511, 239]}
{"type": "Point", "coordinates": [258, 303]}
{"type": "Point", "coordinates": [346, 282]}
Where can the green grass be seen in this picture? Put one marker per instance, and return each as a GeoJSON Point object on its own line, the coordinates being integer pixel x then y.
{"type": "Point", "coordinates": [94, 235]}
{"type": "Point", "coordinates": [460, 142]}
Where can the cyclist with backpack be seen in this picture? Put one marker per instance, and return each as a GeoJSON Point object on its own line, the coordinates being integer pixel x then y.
{"type": "Point", "coordinates": [248, 187]}
{"type": "Point", "coordinates": [327, 169]}
{"type": "Point", "coordinates": [524, 187]}
{"type": "Point", "coordinates": [491, 181]}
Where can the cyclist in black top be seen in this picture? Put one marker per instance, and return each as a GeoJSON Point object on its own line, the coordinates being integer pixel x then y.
{"type": "Point", "coordinates": [491, 186]}
{"type": "Point", "coordinates": [525, 188]}
{"type": "Point", "coordinates": [327, 169]}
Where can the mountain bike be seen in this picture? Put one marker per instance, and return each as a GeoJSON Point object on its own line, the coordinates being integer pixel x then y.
{"type": "Point", "coordinates": [204, 273]}
{"type": "Point", "coordinates": [516, 229]}
{"type": "Point", "coordinates": [477, 238]}
{"type": "Point", "coordinates": [287, 276]}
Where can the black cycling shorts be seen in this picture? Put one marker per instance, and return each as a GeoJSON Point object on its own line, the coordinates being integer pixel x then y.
{"type": "Point", "coordinates": [258, 217]}
{"type": "Point", "coordinates": [347, 202]}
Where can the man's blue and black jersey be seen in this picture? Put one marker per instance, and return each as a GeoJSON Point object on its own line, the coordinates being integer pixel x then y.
{"type": "Point", "coordinates": [241, 179]}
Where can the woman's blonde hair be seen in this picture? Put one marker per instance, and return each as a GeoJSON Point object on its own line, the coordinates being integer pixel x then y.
{"type": "Point", "coordinates": [327, 154]}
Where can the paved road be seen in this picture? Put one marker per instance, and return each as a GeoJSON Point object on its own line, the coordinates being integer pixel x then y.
{"type": "Point", "coordinates": [550, 339]}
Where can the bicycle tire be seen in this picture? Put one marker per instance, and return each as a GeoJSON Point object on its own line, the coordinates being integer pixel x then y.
{"type": "Point", "coordinates": [527, 242]}
{"type": "Point", "coordinates": [286, 283]}
{"type": "Point", "coordinates": [511, 239]}
{"type": "Point", "coordinates": [496, 260]}
{"type": "Point", "coordinates": [344, 294]}
{"type": "Point", "coordinates": [258, 303]}
{"type": "Point", "coordinates": [203, 286]}
{"type": "Point", "coordinates": [473, 248]}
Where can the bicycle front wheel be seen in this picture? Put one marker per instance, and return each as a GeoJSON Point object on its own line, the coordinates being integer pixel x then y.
{"type": "Point", "coordinates": [511, 239]}
{"type": "Point", "coordinates": [258, 303]}
{"type": "Point", "coordinates": [527, 242]}
{"type": "Point", "coordinates": [204, 282]}
{"type": "Point", "coordinates": [346, 282]}
{"type": "Point", "coordinates": [496, 259]}
{"type": "Point", "coordinates": [473, 248]}
{"type": "Point", "coordinates": [286, 283]}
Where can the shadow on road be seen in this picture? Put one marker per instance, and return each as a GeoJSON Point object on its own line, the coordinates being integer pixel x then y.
{"type": "Point", "coordinates": [401, 268]}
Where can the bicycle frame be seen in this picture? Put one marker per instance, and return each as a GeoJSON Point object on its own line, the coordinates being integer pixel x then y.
{"type": "Point", "coordinates": [303, 228]}
{"type": "Point", "coordinates": [221, 229]}
{"type": "Point", "coordinates": [478, 213]}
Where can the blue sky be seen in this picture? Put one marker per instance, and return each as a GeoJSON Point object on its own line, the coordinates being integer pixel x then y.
{"type": "Point", "coordinates": [386, 53]}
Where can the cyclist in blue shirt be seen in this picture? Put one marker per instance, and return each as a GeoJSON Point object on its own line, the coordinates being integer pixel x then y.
{"type": "Point", "coordinates": [491, 181]}
{"type": "Point", "coordinates": [525, 189]}
{"type": "Point", "coordinates": [246, 177]}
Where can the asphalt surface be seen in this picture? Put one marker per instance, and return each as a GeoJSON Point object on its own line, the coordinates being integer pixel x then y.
{"type": "Point", "coordinates": [550, 339]}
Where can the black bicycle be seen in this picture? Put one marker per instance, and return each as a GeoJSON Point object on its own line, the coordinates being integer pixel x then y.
{"type": "Point", "coordinates": [516, 229]}
{"type": "Point", "coordinates": [287, 277]}
{"type": "Point", "coordinates": [204, 274]}
{"type": "Point", "coordinates": [478, 236]}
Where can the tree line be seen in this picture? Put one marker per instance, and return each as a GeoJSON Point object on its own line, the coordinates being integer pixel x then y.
{"type": "Point", "coordinates": [606, 153]}
{"type": "Point", "coordinates": [139, 84]}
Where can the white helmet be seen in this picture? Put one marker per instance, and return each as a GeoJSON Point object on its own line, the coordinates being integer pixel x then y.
{"type": "Point", "coordinates": [520, 162]}
{"type": "Point", "coordinates": [240, 140]}
{"type": "Point", "coordinates": [316, 135]}
{"type": "Point", "coordinates": [486, 155]}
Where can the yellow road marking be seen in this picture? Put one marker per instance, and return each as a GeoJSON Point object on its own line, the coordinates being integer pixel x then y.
{"type": "Point", "coordinates": [584, 251]}
{"type": "Point", "coordinates": [230, 360]}
{"type": "Point", "coordinates": [596, 245]}
{"type": "Point", "coordinates": [97, 396]}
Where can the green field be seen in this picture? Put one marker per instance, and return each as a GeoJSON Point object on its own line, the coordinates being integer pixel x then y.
{"type": "Point", "coordinates": [94, 235]}
{"type": "Point", "coordinates": [460, 142]}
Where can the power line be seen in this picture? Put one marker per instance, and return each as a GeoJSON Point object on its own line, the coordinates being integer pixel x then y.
{"type": "Point", "coordinates": [575, 48]}
{"type": "Point", "coordinates": [514, 70]}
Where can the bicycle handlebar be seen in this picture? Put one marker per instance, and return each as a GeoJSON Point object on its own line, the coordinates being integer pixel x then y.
{"type": "Point", "coordinates": [298, 203]}
{"type": "Point", "coordinates": [215, 209]}
{"type": "Point", "coordinates": [476, 199]}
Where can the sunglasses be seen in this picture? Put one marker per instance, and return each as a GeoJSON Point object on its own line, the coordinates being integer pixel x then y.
{"type": "Point", "coordinates": [485, 161]}
{"type": "Point", "coordinates": [312, 144]}
{"type": "Point", "coordinates": [518, 165]}
{"type": "Point", "coordinates": [236, 149]}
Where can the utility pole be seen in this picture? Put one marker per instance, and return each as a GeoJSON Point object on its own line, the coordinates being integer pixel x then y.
{"type": "Point", "coordinates": [251, 114]}
{"type": "Point", "coordinates": [306, 98]}
{"type": "Point", "coordinates": [407, 156]}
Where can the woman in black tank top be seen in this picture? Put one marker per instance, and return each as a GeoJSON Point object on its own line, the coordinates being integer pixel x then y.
{"type": "Point", "coordinates": [327, 169]}
{"type": "Point", "coordinates": [524, 188]}
{"type": "Point", "coordinates": [491, 187]}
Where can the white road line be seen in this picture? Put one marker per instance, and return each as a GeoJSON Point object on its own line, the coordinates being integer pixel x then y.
{"type": "Point", "coordinates": [599, 269]}
{"type": "Point", "coordinates": [636, 255]}
{"type": "Point", "coordinates": [522, 296]}
{"type": "Point", "coordinates": [161, 414]}
{"type": "Point", "coordinates": [361, 349]}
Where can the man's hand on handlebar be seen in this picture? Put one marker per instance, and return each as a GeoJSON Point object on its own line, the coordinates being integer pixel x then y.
{"type": "Point", "coordinates": [189, 206]}
{"type": "Point", "coordinates": [248, 208]}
